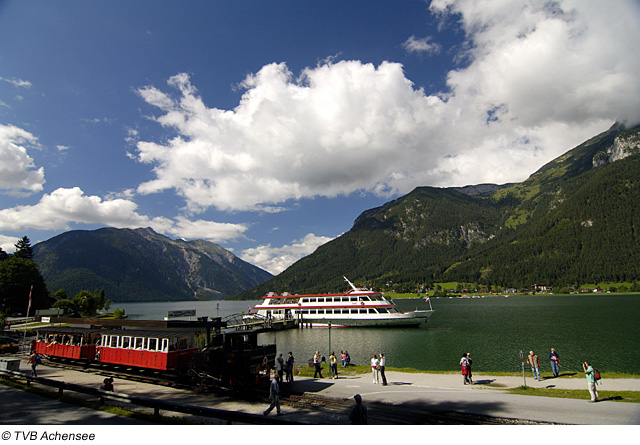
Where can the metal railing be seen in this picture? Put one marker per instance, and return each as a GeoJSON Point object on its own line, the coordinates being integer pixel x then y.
{"type": "Point", "coordinates": [157, 405]}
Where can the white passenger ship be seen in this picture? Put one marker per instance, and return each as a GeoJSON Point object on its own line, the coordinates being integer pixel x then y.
{"type": "Point", "coordinates": [356, 307]}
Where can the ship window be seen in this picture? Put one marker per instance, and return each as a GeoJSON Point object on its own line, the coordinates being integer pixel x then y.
{"type": "Point", "coordinates": [312, 300]}
{"type": "Point", "coordinates": [383, 311]}
{"type": "Point", "coordinates": [305, 300]}
{"type": "Point", "coordinates": [305, 311]}
{"type": "Point", "coordinates": [312, 311]}
{"type": "Point", "coordinates": [320, 300]}
{"type": "Point", "coordinates": [362, 311]}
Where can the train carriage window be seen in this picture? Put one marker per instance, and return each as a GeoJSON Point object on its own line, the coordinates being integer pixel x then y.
{"type": "Point", "coordinates": [153, 344]}
{"type": "Point", "coordinates": [126, 343]}
{"type": "Point", "coordinates": [165, 345]}
{"type": "Point", "coordinates": [104, 341]}
{"type": "Point", "coordinates": [138, 343]}
{"type": "Point", "coordinates": [113, 341]}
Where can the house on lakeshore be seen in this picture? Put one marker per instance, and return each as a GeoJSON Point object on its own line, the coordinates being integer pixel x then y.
{"type": "Point", "coordinates": [541, 288]}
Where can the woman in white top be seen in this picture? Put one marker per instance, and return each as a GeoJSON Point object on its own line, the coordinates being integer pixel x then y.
{"type": "Point", "coordinates": [375, 368]}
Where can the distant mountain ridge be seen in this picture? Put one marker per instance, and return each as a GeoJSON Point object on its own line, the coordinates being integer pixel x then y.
{"type": "Point", "coordinates": [574, 221]}
{"type": "Point", "coordinates": [142, 265]}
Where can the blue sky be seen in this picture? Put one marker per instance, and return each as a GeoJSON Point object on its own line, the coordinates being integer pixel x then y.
{"type": "Point", "coordinates": [269, 126]}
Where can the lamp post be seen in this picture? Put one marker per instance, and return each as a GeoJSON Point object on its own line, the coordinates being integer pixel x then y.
{"type": "Point", "coordinates": [523, 373]}
{"type": "Point", "coordinates": [329, 337]}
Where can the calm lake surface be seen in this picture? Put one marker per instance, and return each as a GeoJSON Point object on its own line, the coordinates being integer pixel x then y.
{"type": "Point", "coordinates": [602, 329]}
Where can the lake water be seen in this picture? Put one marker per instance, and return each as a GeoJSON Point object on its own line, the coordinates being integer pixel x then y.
{"type": "Point", "coordinates": [602, 329]}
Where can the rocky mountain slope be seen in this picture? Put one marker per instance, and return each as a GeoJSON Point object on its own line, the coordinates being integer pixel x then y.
{"type": "Point", "coordinates": [141, 265]}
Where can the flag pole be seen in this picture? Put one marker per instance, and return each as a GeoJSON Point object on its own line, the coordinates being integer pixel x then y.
{"type": "Point", "coordinates": [24, 337]}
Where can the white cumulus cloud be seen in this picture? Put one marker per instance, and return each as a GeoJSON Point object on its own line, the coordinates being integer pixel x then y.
{"type": "Point", "coordinates": [18, 174]}
{"type": "Point", "coordinates": [539, 78]}
{"type": "Point", "coordinates": [57, 210]}
{"type": "Point", "coordinates": [277, 259]}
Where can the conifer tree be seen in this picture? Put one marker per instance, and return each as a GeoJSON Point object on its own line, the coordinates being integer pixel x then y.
{"type": "Point", "coordinates": [24, 249]}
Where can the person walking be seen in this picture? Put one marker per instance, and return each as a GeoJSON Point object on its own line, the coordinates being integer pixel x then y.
{"type": "Point", "coordinates": [333, 365]}
{"type": "Point", "coordinates": [590, 373]}
{"type": "Point", "coordinates": [383, 362]}
{"type": "Point", "coordinates": [375, 369]}
{"type": "Point", "coordinates": [274, 395]}
{"type": "Point", "coordinates": [555, 362]}
{"type": "Point", "coordinates": [464, 365]}
{"type": "Point", "coordinates": [34, 360]}
{"type": "Point", "coordinates": [533, 360]}
{"type": "Point", "coordinates": [317, 365]}
{"type": "Point", "coordinates": [358, 414]}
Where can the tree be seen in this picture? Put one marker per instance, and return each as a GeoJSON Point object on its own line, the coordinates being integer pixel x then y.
{"type": "Point", "coordinates": [3, 255]}
{"type": "Point", "coordinates": [24, 249]}
{"type": "Point", "coordinates": [68, 307]}
{"type": "Point", "coordinates": [60, 294]}
{"type": "Point", "coordinates": [17, 275]}
{"type": "Point", "coordinates": [88, 303]}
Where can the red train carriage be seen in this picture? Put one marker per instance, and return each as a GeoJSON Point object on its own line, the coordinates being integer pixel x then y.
{"type": "Point", "coordinates": [162, 350]}
{"type": "Point", "coordinates": [159, 350]}
{"type": "Point", "coordinates": [64, 342]}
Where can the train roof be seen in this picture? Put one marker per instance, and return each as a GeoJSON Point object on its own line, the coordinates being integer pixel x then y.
{"type": "Point", "coordinates": [65, 330]}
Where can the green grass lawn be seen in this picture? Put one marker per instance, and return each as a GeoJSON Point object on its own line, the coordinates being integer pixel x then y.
{"type": "Point", "coordinates": [618, 396]}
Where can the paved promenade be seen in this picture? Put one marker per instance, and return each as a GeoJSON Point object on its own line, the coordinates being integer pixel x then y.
{"type": "Point", "coordinates": [427, 392]}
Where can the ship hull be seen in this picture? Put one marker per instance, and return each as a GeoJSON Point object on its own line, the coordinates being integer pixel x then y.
{"type": "Point", "coordinates": [408, 319]}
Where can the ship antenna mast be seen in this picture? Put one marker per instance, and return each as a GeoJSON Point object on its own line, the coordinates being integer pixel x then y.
{"type": "Point", "coordinates": [350, 283]}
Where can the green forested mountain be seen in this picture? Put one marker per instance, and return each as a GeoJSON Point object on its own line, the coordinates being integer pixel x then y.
{"type": "Point", "coordinates": [574, 221]}
{"type": "Point", "coordinates": [141, 265]}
